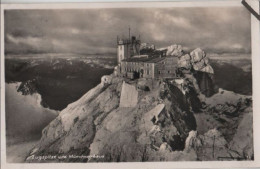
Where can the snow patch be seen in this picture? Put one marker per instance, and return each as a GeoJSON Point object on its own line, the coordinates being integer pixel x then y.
{"type": "Point", "coordinates": [223, 97]}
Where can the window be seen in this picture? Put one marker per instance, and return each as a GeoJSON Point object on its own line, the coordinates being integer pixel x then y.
{"type": "Point", "coordinates": [148, 72]}
{"type": "Point", "coordinates": [159, 72]}
{"type": "Point", "coordinates": [169, 72]}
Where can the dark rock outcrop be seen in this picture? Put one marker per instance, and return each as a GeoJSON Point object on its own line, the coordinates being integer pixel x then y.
{"type": "Point", "coordinates": [28, 88]}
{"type": "Point", "coordinates": [205, 82]}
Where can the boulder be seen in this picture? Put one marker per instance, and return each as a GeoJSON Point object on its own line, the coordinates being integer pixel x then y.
{"type": "Point", "coordinates": [116, 68]}
{"type": "Point", "coordinates": [206, 60]}
{"type": "Point", "coordinates": [197, 60]}
{"type": "Point", "coordinates": [175, 50]}
{"type": "Point", "coordinates": [203, 67]}
{"type": "Point", "coordinates": [199, 65]}
{"type": "Point", "coordinates": [193, 141]}
{"type": "Point", "coordinates": [184, 61]}
{"type": "Point", "coordinates": [197, 55]}
{"type": "Point", "coordinates": [207, 69]}
{"type": "Point", "coordinates": [106, 80]}
{"type": "Point", "coordinates": [165, 147]}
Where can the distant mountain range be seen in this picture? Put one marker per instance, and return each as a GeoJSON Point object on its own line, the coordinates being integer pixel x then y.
{"type": "Point", "coordinates": [68, 78]}
{"type": "Point", "coordinates": [59, 81]}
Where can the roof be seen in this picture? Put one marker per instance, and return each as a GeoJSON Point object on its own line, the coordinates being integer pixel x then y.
{"type": "Point", "coordinates": [146, 60]}
{"type": "Point", "coordinates": [155, 60]}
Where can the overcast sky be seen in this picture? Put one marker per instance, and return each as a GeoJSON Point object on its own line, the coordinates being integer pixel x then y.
{"type": "Point", "coordinates": [88, 31]}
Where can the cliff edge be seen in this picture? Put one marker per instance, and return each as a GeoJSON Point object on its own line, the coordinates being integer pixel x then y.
{"type": "Point", "coordinates": [148, 120]}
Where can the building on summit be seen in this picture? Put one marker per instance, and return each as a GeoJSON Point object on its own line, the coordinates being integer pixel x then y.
{"type": "Point", "coordinates": [142, 60]}
{"type": "Point", "coordinates": [149, 67]}
{"type": "Point", "coordinates": [136, 60]}
{"type": "Point", "coordinates": [127, 47]}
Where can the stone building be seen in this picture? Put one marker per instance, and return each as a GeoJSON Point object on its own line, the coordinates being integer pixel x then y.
{"type": "Point", "coordinates": [145, 63]}
{"type": "Point", "coordinates": [167, 67]}
{"type": "Point", "coordinates": [151, 67]}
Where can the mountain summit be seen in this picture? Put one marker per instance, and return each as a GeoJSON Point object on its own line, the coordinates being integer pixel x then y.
{"type": "Point", "coordinates": [150, 120]}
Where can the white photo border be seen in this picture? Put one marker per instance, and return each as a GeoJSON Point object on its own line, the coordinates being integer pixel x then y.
{"type": "Point", "coordinates": [255, 53]}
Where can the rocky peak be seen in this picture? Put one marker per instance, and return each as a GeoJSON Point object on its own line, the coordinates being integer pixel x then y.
{"type": "Point", "coordinates": [197, 63]}
{"type": "Point", "coordinates": [174, 50]}
{"type": "Point", "coordinates": [159, 122]}
{"type": "Point", "coordinates": [146, 120]}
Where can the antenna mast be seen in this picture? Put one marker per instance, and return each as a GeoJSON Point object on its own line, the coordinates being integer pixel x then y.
{"type": "Point", "coordinates": [129, 32]}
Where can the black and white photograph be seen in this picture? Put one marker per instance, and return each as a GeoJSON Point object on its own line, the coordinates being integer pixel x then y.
{"type": "Point", "coordinates": [128, 84]}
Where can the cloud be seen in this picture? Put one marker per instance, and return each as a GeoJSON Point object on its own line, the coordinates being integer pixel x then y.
{"type": "Point", "coordinates": [31, 41]}
{"type": "Point", "coordinates": [171, 19]}
{"type": "Point", "coordinates": [214, 29]}
{"type": "Point", "coordinates": [237, 46]}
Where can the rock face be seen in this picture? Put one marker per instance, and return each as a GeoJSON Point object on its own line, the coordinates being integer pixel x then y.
{"type": "Point", "coordinates": [75, 127]}
{"type": "Point", "coordinates": [197, 60]}
{"type": "Point", "coordinates": [242, 142]}
{"type": "Point", "coordinates": [205, 82]}
{"type": "Point", "coordinates": [185, 62]}
{"type": "Point", "coordinates": [198, 63]}
{"type": "Point", "coordinates": [230, 116]}
{"type": "Point", "coordinates": [121, 124]}
{"type": "Point", "coordinates": [197, 55]}
{"type": "Point", "coordinates": [153, 130]}
{"type": "Point", "coordinates": [28, 88]}
{"type": "Point", "coordinates": [174, 50]}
